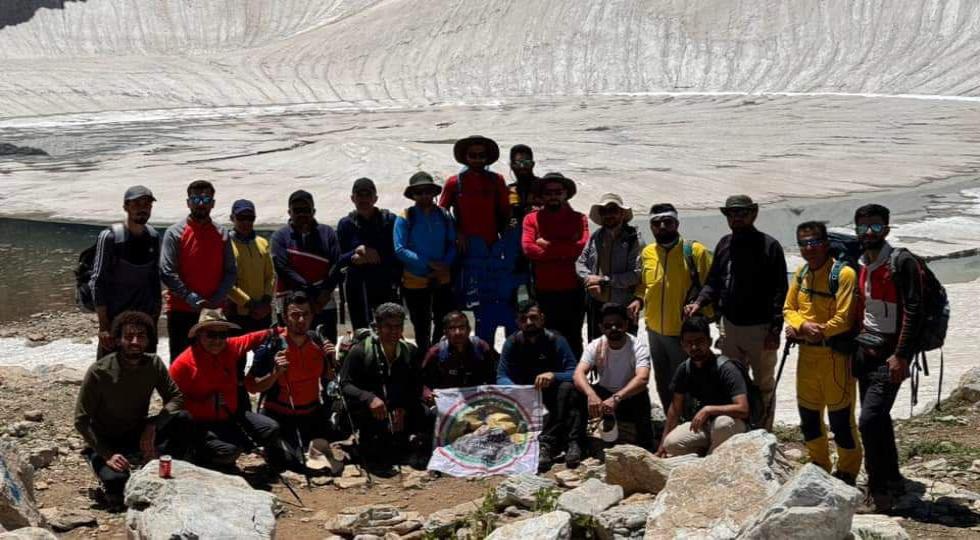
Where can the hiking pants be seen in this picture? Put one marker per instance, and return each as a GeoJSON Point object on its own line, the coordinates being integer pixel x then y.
{"type": "Point", "coordinates": [222, 442]}
{"type": "Point", "coordinates": [824, 382]}
{"type": "Point", "coordinates": [666, 355]}
{"type": "Point", "coordinates": [566, 416]}
{"type": "Point", "coordinates": [426, 308]}
{"type": "Point", "coordinates": [171, 439]}
{"type": "Point", "coordinates": [314, 424]}
{"type": "Point", "coordinates": [379, 445]}
{"type": "Point", "coordinates": [363, 298]}
{"type": "Point", "coordinates": [745, 344]}
{"type": "Point", "coordinates": [491, 315]}
{"type": "Point", "coordinates": [875, 422]}
{"type": "Point", "coordinates": [564, 312]}
{"type": "Point", "coordinates": [179, 323]}
{"type": "Point", "coordinates": [635, 410]}
{"type": "Point", "coordinates": [681, 440]}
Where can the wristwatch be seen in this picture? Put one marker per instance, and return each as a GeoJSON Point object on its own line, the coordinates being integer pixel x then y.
{"type": "Point", "coordinates": [617, 398]}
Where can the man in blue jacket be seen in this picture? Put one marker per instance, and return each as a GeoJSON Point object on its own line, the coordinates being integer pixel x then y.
{"type": "Point", "coordinates": [533, 355]}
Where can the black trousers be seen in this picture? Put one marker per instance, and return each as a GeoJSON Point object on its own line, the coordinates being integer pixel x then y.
{"type": "Point", "coordinates": [566, 416]}
{"type": "Point", "coordinates": [363, 298]}
{"type": "Point", "coordinates": [875, 422]}
{"type": "Point", "coordinates": [564, 312]}
{"type": "Point", "coordinates": [172, 438]}
{"type": "Point", "coordinates": [178, 324]}
{"type": "Point", "coordinates": [379, 445]}
{"type": "Point", "coordinates": [426, 308]}
{"type": "Point", "coordinates": [312, 425]}
{"type": "Point", "coordinates": [222, 442]}
{"type": "Point", "coordinates": [635, 410]}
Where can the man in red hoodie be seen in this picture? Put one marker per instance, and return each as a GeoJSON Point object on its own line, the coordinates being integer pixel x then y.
{"type": "Point", "coordinates": [197, 264]}
{"type": "Point", "coordinates": [478, 198]}
{"type": "Point", "coordinates": [552, 239]}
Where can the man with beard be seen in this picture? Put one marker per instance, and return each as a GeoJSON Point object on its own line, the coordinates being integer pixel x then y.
{"type": "Point", "coordinates": [718, 390]}
{"type": "Point", "coordinates": [553, 238]}
{"type": "Point", "coordinates": [112, 405]}
{"type": "Point", "coordinates": [623, 367]}
{"type": "Point", "coordinates": [747, 282]}
{"type": "Point", "coordinates": [477, 197]}
{"type": "Point", "coordinates": [524, 192]}
{"type": "Point", "coordinates": [197, 264]}
{"type": "Point", "coordinates": [305, 255]}
{"type": "Point", "coordinates": [458, 360]}
{"type": "Point", "coordinates": [672, 272]}
{"type": "Point", "coordinates": [890, 298]}
{"type": "Point", "coordinates": [818, 309]}
{"type": "Point", "coordinates": [609, 266]}
{"type": "Point", "coordinates": [533, 355]}
{"type": "Point", "coordinates": [126, 269]}
{"type": "Point", "coordinates": [252, 294]}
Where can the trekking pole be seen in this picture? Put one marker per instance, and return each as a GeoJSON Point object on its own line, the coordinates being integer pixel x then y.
{"type": "Point", "coordinates": [356, 433]}
{"type": "Point", "coordinates": [779, 375]}
{"type": "Point", "coordinates": [299, 437]}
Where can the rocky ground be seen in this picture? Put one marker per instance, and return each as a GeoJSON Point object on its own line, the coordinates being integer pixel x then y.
{"type": "Point", "coordinates": [940, 451]}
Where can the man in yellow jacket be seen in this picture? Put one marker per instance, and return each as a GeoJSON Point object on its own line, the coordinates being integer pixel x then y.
{"type": "Point", "coordinates": [251, 296]}
{"type": "Point", "coordinates": [673, 271]}
{"type": "Point", "coordinates": [818, 308]}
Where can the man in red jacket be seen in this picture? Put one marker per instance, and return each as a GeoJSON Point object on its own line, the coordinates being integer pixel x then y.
{"type": "Point", "coordinates": [207, 374]}
{"type": "Point", "coordinates": [553, 238]}
{"type": "Point", "coordinates": [478, 198]}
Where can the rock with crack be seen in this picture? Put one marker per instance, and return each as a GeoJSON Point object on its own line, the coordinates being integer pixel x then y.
{"type": "Point", "coordinates": [812, 504]}
{"type": "Point", "coordinates": [18, 507]}
{"type": "Point", "coordinates": [623, 522]}
{"type": "Point", "coordinates": [66, 519]}
{"type": "Point", "coordinates": [589, 499]}
{"type": "Point", "coordinates": [28, 533]}
{"type": "Point", "coordinates": [551, 526]}
{"type": "Point", "coordinates": [877, 527]}
{"type": "Point", "coordinates": [522, 490]}
{"type": "Point", "coordinates": [196, 502]}
{"type": "Point", "coordinates": [639, 471]}
{"type": "Point", "coordinates": [715, 496]}
{"type": "Point", "coordinates": [374, 519]}
{"type": "Point", "coordinates": [445, 521]}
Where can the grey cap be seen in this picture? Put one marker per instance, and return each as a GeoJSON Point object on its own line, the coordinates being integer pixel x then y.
{"type": "Point", "coordinates": [138, 192]}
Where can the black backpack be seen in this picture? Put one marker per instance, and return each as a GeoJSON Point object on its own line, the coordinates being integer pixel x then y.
{"type": "Point", "coordinates": [86, 265]}
{"type": "Point", "coordinates": [935, 303]}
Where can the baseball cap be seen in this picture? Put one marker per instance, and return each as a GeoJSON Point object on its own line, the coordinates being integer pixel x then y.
{"type": "Point", "coordinates": [364, 184]}
{"type": "Point", "coordinates": [137, 192]}
{"type": "Point", "coordinates": [241, 205]}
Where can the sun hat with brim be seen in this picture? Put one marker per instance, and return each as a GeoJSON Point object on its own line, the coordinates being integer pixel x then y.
{"type": "Point", "coordinates": [421, 179]}
{"type": "Point", "coordinates": [211, 319]}
{"type": "Point", "coordinates": [324, 457]}
{"type": "Point", "coordinates": [736, 202]}
{"type": "Point", "coordinates": [560, 178]}
{"type": "Point", "coordinates": [605, 200]}
{"type": "Point", "coordinates": [462, 145]}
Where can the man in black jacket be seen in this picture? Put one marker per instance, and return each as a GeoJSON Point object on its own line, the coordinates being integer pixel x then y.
{"type": "Point", "coordinates": [748, 283]}
{"type": "Point", "coordinates": [383, 392]}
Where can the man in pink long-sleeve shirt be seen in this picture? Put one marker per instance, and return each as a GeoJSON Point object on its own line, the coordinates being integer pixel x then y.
{"type": "Point", "coordinates": [553, 238]}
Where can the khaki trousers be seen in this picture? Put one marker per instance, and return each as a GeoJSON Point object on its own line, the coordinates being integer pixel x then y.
{"type": "Point", "coordinates": [681, 440]}
{"type": "Point", "coordinates": [745, 344]}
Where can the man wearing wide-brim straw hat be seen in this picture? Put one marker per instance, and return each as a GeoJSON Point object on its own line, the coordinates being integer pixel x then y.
{"type": "Point", "coordinates": [477, 197]}
{"type": "Point", "coordinates": [748, 283]}
{"type": "Point", "coordinates": [609, 264]}
{"type": "Point", "coordinates": [207, 374]}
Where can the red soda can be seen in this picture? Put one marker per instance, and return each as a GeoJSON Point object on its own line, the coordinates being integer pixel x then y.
{"type": "Point", "coordinates": [166, 466]}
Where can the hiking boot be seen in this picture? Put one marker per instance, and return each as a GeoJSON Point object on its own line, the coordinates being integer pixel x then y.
{"type": "Point", "coordinates": [544, 457]}
{"type": "Point", "coordinates": [847, 478]}
{"type": "Point", "coordinates": [573, 455]}
{"type": "Point", "coordinates": [876, 502]}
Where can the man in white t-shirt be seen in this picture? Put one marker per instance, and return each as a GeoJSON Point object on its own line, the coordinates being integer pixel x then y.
{"type": "Point", "coordinates": [620, 366]}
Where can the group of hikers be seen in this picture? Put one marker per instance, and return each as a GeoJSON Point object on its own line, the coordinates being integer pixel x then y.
{"type": "Point", "coordinates": [480, 247]}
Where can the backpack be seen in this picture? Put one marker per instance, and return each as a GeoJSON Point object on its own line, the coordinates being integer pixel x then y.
{"type": "Point", "coordinates": [86, 265]}
{"type": "Point", "coordinates": [935, 303]}
{"type": "Point", "coordinates": [757, 407]}
{"type": "Point", "coordinates": [845, 247]}
{"type": "Point", "coordinates": [843, 343]}
{"type": "Point", "coordinates": [692, 269]}
{"type": "Point", "coordinates": [410, 218]}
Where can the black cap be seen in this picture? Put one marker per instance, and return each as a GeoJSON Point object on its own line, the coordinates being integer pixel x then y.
{"type": "Point", "coordinates": [242, 205]}
{"type": "Point", "coordinates": [364, 184]}
{"type": "Point", "coordinates": [300, 195]}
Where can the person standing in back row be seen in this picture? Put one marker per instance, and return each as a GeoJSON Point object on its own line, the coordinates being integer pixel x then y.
{"type": "Point", "coordinates": [748, 283]}
{"type": "Point", "coordinates": [252, 294]}
{"type": "Point", "coordinates": [126, 270]}
{"type": "Point", "coordinates": [553, 238]}
{"type": "Point", "coordinates": [197, 264]}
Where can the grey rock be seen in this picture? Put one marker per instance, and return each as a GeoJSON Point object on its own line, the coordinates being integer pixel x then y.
{"type": "Point", "coordinates": [551, 526]}
{"type": "Point", "coordinates": [20, 428]}
{"type": "Point", "coordinates": [589, 499]}
{"type": "Point", "coordinates": [34, 416]}
{"type": "Point", "coordinates": [812, 504]}
{"type": "Point", "coordinates": [18, 507]}
{"type": "Point", "coordinates": [196, 502]}
{"type": "Point", "coordinates": [969, 387]}
{"type": "Point", "coordinates": [373, 519]}
{"type": "Point", "coordinates": [521, 490]}
{"type": "Point", "coordinates": [877, 527]}
{"type": "Point", "coordinates": [715, 496]}
{"type": "Point", "coordinates": [42, 456]}
{"type": "Point", "coordinates": [28, 533]}
{"type": "Point", "coordinates": [623, 522]}
{"type": "Point", "coordinates": [639, 471]}
{"type": "Point", "coordinates": [443, 522]}
{"type": "Point", "coordinates": [64, 519]}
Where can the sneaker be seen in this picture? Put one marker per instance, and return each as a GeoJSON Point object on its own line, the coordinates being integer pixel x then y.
{"type": "Point", "coordinates": [544, 458]}
{"type": "Point", "coordinates": [573, 455]}
{"type": "Point", "coordinates": [847, 478]}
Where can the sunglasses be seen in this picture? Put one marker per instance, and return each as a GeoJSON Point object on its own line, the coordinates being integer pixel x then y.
{"type": "Point", "coordinates": [876, 228]}
{"type": "Point", "coordinates": [245, 217]}
{"type": "Point", "coordinates": [428, 192]}
{"type": "Point", "coordinates": [612, 326]}
{"type": "Point", "coordinates": [476, 155]}
{"type": "Point", "coordinates": [301, 210]}
{"type": "Point", "coordinates": [559, 191]}
{"type": "Point", "coordinates": [662, 223]}
{"type": "Point", "coordinates": [609, 210]}
{"type": "Point", "coordinates": [215, 334]}
{"type": "Point", "coordinates": [200, 199]}
{"type": "Point", "coordinates": [813, 242]}
{"type": "Point", "coordinates": [523, 163]}
{"type": "Point", "coordinates": [738, 212]}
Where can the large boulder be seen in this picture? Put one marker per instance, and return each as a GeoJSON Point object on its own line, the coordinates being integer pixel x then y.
{"type": "Point", "coordinates": [877, 527]}
{"type": "Point", "coordinates": [589, 499]}
{"type": "Point", "coordinates": [196, 503]}
{"type": "Point", "coordinates": [639, 471]}
{"type": "Point", "coordinates": [715, 496]}
{"type": "Point", "coordinates": [812, 504]}
{"type": "Point", "coordinates": [522, 490]}
{"type": "Point", "coordinates": [551, 526]}
{"type": "Point", "coordinates": [969, 387]}
{"type": "Point", "coordinates": [18, 507]}
{"type": "Point", "coordinates": [28, 533]}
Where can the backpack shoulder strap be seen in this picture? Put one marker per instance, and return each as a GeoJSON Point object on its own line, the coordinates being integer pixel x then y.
{"type": "Point", "coordinates": [119, 232]}
{"type": "Point", "coordinates": [834, 279]}
{"type": "Point", "coordinates": [692, 266]}
{"type": "Point", "coordinates": [151, 231]}
{"type": "Point", "coordinates": [443, 350]}
{"type": "Point", "coordinates": [800, 273]}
